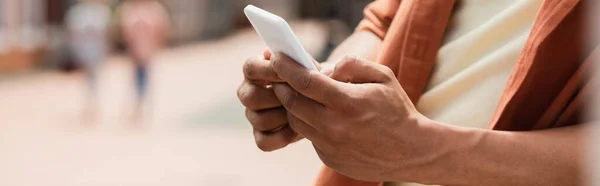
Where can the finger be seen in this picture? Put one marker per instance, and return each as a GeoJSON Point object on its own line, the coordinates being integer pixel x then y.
{"type": "Point", "coordinates": [304, 129]}
{"type": "Point", "coordinates": [327, 70]}
{"type": "Point", "coordinates": [267, 54]}
{"type": "Point", "coordinates": [259, 69]}
{"type": "Point", "coordinates": [273, 141]}
{"type": "Point", "coordinates": [298, 137]}
{"type": "Point", "coordinates": [299, 105]}
{"type": "Point", "coordinates": [355, 70]}
{"type": "Point", "coordinates": [312, 84]}
{"type": "Point", "coordinates": [256, 97]}
{"type": "Point", "coordinates": [269, 120]}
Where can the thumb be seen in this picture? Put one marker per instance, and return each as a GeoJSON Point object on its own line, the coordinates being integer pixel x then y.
{"type": "Point", "coordinates": [327, 69]}
{"type": "Point", "coordinates": [355, 70]}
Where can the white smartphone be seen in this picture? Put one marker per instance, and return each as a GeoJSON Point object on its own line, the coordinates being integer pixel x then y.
{"type": "Point", "coordinates": [278, 35]}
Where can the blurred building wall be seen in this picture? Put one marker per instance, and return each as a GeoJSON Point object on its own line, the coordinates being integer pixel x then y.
{"type": "Point", "coordinates": [22, 33]}
{"type": "Point", "coordinates": [32, 31]}
{"type": "Point", "coordinates": [184, 16]}
{"type": "Point", "coordinates": [349, 12]}
{"type": "Point", "coordinates": [209, 19]}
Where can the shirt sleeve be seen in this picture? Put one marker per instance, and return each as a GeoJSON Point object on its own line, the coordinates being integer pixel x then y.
{"type": "Point", "coordinates": [378, 16]}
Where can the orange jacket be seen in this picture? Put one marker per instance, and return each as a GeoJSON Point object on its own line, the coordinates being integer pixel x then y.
{"type": "Point", "coordinates": [548, 87]}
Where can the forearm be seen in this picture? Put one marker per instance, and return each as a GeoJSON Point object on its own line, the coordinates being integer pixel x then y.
{"type": "Point", "coordinates": [361, 44]}
{"type": "Point", "coordinates": [485, 157]}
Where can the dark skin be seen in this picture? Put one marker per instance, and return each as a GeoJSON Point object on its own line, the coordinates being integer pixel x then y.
{"type": "Point", "coordinates": [363, 125]}
{"type": "Point", "coordinates": [265, 112]}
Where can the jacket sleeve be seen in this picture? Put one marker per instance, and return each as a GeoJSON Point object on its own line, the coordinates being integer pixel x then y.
{"type": "Point", "coordinates": [378, 16]}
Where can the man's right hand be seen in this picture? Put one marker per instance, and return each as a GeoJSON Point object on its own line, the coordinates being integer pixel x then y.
{"type": "Point", "coordinates": [264, 111]}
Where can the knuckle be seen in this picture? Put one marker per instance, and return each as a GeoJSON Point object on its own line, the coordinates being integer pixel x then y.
{"type": "Point", "coordinates": [247, 67]}
{"type": "Point", "coordinates": [347, 65]}
{"type": "Point", "coordinates": [269, 72]}
{"type": "Point", "coordinates": [254, 118]}
{"type": "Point", "coordinates": [289, 100]}
{"type": "Point", "coordinates": [387, 72]}
{"type": "Point", "coordinates": [355, 97]}
{"type": "Point", "coordinates": [240, 90]}
{"type": "Point", "coordinates": [344, 63]}
{"type": "Point", "coordinates": [306, 82]}
{"type": "Point", "coordinates": [275, 60]}
{"type": "Point", "coordinates": [250, 67]}
{"type": "Point", "coordinates": [248, 98]}
{"type": "Point", "coordinates": [337, 132]}
{"type": "Point", "coordinates": [349, 61]}
{"type": "Point", "coordinates": [242, 93]}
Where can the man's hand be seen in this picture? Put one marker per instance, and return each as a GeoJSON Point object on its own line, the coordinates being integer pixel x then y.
{"type": "Point", "coordinates": [361, 122]}
{"type": "Point", "coordinates": [264, 111]}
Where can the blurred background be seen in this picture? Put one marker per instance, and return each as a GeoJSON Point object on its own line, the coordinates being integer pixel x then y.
{"type": "Point", "coordinates": [70, 115]}
{"type": "Point", "coordinates": [82, 105]}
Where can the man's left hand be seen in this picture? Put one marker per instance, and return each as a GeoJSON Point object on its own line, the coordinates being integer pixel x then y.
{"type": "Point", "coordinates": [358, 117]}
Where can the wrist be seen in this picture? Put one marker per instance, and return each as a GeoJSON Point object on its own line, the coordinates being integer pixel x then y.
{"type": "Point", "coordinates": [449, 148]}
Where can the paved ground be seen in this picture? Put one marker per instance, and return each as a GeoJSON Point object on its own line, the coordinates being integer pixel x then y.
{"type": "Point", "coordinates": [194, 133]}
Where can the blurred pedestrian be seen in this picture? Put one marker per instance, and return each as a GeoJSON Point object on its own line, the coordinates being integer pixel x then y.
{"type": "Point", "coordinates": [87, 24]}
{"type": "Point", "coordinates": [145, 29]}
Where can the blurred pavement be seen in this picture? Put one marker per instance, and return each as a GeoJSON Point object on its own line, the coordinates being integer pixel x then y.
{"type": "Point", "coordinates": [194, 133]}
